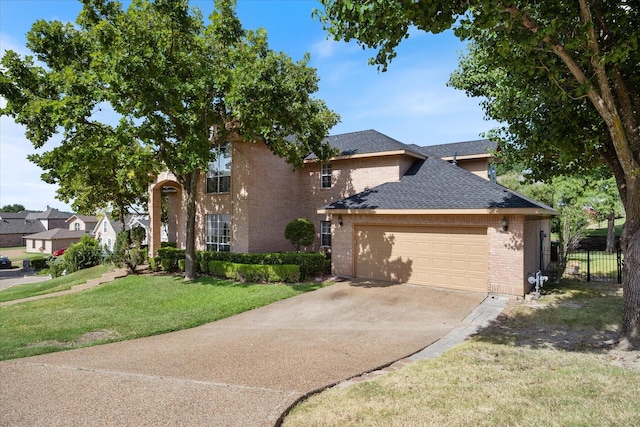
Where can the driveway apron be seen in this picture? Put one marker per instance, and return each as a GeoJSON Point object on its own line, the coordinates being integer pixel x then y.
{"type": "Point", "coordinates": [242, 371]}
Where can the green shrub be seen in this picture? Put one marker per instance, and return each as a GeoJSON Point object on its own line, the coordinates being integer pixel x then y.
{"type": "Point", "coordinates": [153, 263]}
{"type": "Point", "coordinates": [168, 245]}
{"type": "Point", "coordinates": [56, 266]}
{"type": "Point", "coordinates": [39, 263]}
{"type": "Point", "coordinates": [166, 264]}
{"type": "Point", "coordinates": [300, 232]}
{"type": "Point", "coordinates": [84, 254]}
{"type": "Point", "coordinates": [181, 264]}
{"type": "Point", "coordinates": [204, 266]}
{"type": "Point", "coordinates": [255, 273]}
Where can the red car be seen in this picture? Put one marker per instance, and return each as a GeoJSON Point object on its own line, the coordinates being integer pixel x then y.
{"type": "Point", "coordinates": [59, 252]}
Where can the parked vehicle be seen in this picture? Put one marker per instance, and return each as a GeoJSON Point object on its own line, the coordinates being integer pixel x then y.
{"type": "Point", "coordinates": [59, 252]}
{"type": "Point", "coordinates": [5, 262]}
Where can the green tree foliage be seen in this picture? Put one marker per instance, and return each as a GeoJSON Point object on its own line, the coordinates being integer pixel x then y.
{"type": "Point", "coordinates": [180, 88]}
{"type": "Point", "coordinates": [12, 208]}
{"type": "Point", "coordinates": [127, 250]}
{"type": "Point", "coordinates": [84, 254]}
{"type": "Point", "coordinates": [562, 75]}
{"type": "Point", "coordinates": [300, 232]}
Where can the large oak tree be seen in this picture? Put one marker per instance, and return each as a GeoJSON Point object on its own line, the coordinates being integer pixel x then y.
{"type": "Point", "coordinates": [180, 88]}
{"type": "Point", "coordinates": [563, 75]}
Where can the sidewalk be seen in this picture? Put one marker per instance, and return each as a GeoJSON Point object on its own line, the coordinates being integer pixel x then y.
{"type": "Point", "coordinates": [106, 277]}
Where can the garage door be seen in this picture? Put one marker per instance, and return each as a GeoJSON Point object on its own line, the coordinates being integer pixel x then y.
{"type": "Point", "coordinates": [454, 258]}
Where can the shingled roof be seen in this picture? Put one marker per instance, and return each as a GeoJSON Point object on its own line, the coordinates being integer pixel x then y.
{"type": "Point", "coordinates": [460, 149]}
{"type": "Point", "coordinates": [364, 142]}
{"type": "Point", "coordinates": [434, 184]}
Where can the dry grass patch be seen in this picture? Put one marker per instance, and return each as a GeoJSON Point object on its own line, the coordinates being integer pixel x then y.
{"type": "Point", "coordinates": [552, 362]}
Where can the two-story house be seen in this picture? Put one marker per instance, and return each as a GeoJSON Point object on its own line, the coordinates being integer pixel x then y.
{"type": "Point", "coordinates": [385, 210]}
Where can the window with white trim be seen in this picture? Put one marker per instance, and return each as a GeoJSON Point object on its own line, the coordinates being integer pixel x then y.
{"type": "Point", "coordinates": [325, 233]}
{"type": "Point", "coordinates": [218, 238]}
{"type": "Point", "coordinates": [219, 171]}
{"type": "Point", "coordinates": [104, 226]}
{"type": "Point", "coordinates": [325, 176]}
{"type": "Point", "coordinates": [76, 226]}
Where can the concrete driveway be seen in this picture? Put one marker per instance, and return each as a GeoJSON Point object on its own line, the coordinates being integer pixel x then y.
{"type": "Point", "coordinates": [242, 371]}
{"type": "Point", "coordinates": [18, 276]}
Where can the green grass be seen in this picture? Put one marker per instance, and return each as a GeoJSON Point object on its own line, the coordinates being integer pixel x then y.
{"type": "Point", "coordinates": [57, 284]}
{"type": "Point", "coordinates": [17, 258]}
{"type": "Point", "coordinates": [132, 307]}
{"type": "Point", "coordinates": [547, 364]}
{"type": "Point", "coordinates": [600, 263]}
{"type": "Point", "coordinates": [600, 229]}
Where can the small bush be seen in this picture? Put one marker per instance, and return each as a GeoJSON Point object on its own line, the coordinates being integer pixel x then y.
{"type": "Point", "coordinates": [254, 273]}
{"type": "Point", "coordinates": [39, 263]}
{"type": "Point", "coordinates": [154, 264]}
{"type": "Point", "coordinates": [166, 264]}
{"type": "Point", "coordinates": [300, 232]}
{"type": "Point", "coordinates": [56, 266]}
{"type": "Point", "coordinates": [84, 254]}
{"type": "Point", "coordinates": [181, 264]}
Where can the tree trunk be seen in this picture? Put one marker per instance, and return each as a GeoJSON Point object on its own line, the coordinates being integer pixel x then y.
{"type": "Point", "coordinates": [611, 233]}
{"type": "Point", "coordinates": [189, 186]}
{"type": "Point", "coordinates": [630, 333]}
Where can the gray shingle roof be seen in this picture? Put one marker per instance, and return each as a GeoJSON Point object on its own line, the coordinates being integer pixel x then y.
{"type": "Point", "coordinates": [363, 142]}
{"type": "Point", "coordinates": [468, 148]}
{"type": "Point", "coordinates": [58, 233]}
{"type": "Point", "coordinates": [19, 225]}
{"type": "Point", "coordinates": [436, 184]}
{"type": "Point", "coordinates": [50, 213]}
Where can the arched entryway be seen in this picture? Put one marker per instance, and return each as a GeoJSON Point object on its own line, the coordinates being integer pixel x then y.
{"type": "Point", "coordinates": [165, 195]}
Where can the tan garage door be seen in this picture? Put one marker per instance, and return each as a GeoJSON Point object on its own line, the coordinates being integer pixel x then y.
{"type": "Point", "coordinates": [454, 258]}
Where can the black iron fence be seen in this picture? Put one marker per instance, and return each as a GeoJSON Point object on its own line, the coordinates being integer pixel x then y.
{"type": "Point", "coordinates": [587, 263]}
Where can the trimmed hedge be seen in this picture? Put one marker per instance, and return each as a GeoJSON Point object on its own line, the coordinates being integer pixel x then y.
{"type": "Point", "coordinates": [309, 264]}
{"type": "Point", "coordinates": [255, 273]}
{"type": "Point", "coordinates": [39, 263]}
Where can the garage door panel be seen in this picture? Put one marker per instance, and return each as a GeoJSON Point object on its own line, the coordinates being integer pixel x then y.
{"type": "Point", "coordinates": [451, 257]}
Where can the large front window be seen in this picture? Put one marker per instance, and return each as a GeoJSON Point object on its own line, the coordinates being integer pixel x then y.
{"type": "Point", "coordinates": [218, 233]}
{"type": "Point", "coordinates": [219, 171]}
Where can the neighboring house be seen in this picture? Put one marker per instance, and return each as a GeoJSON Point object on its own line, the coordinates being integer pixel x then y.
{"type": "Point", "coordinates": [51, 218]}
{"type": "Point", "coordinates": [84, 223]}
{"type": "Point", "coordinates": [107, 229]}
{"type": "Point", "coordinates": [16, 226]}
{"type": "Point", "coordinates": [385, 210]}
{"type": "Point", "coordinates": [50, 241]}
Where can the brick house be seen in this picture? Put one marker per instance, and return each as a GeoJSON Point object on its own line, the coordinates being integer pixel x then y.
{"type": "Point", "coordinates": [16, 227]}
{"type": "Point", "coordinates": [385, 210]}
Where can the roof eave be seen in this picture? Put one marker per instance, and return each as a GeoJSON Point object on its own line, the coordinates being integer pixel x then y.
{"type": "Point", "coordinates": [376, 154]}
{"type": "Point", "coordinates": [491, 211]}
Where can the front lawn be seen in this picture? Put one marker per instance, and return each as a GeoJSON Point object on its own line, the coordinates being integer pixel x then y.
{"type": "Point", "coordinates": [550, 363]}
{"type": "Point", "coordinates": [57, 284]}
{"type": "Point", "coordinates": [132, 307]}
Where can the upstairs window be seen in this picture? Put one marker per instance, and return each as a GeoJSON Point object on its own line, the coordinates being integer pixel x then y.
{"type": "Point", "coordinates": [219, 171]}
{"type": "Point", "coordinates": [104, 226]}
{"type": "Point", "coordinates": [325, 233]}
{"type": "Point", "coordinates": [76, 226]}
{"type": "Point", "coordinates": [325, 176]}
{"type": "Point", "coordinates": [218, 233]}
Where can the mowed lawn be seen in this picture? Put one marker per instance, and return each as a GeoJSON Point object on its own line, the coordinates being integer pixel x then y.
{"type": "Point", "coordinates": [550, 363]}
{"type": "Point", "coordinates": [131, 307]}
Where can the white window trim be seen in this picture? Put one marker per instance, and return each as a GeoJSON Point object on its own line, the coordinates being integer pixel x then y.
{"type": "Point", "coordinates": [218, 177]}
{"type": "Point", "coordinates": [323, 232]}
{"type": "Point", "coordinates": [324, 173]}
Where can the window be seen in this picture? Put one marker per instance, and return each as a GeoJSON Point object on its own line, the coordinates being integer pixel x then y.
{"type": "Point", "coordinates": [325, 233]}
{"type": "Point", "coordinates": [104, 226]}
{"type": "Point", "coordinates": [219, 171]}
{"type": "Point", "coordinates": [325, 176]}
{"type": "Point", "coordinates": [76, 226]}
{"type": "Point", "coordinates": [33, 244]}
{"type": "Point", "coordinates": [109, 243]}
{"type": "Point", "coordinates": [218, 233]}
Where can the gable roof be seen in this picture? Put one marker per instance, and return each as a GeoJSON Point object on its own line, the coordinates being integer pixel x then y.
{"type": "Point", "coordinates": [57, 234]}
{"type": "Point", "coordinates": [460, 149]}
{"type": "Point", "coordinates": [19, 225]}
{"type": "Point", "coordinates": [435, 184]}
{"type": "Point", "coordinates": [50, 213]}
{"type": "Point", "coordinates": [87, 219]}
{"type": "Point", "coordinates": [366, 142]}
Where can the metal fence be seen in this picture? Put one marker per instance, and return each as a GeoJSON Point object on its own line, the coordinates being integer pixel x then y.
{"type": "Point", "coordinates": [588, 265]}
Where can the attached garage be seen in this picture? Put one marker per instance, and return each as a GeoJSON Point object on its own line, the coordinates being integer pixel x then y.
{"type": "Point", "coordinates": [446, 257]}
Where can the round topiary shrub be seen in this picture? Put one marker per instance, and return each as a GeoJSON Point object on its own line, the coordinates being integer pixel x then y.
{"type": "Point", "coordinates": [300, 232]}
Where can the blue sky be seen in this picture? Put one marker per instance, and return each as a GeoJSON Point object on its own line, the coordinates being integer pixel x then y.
{"type": "Point", "coordinates": [410, 102]}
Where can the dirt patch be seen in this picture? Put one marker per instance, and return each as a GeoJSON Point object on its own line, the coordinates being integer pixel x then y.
{"type": "Point", "coordinates": [88, 338]}
{"type": "Point", "coordinates": [603, 342]}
